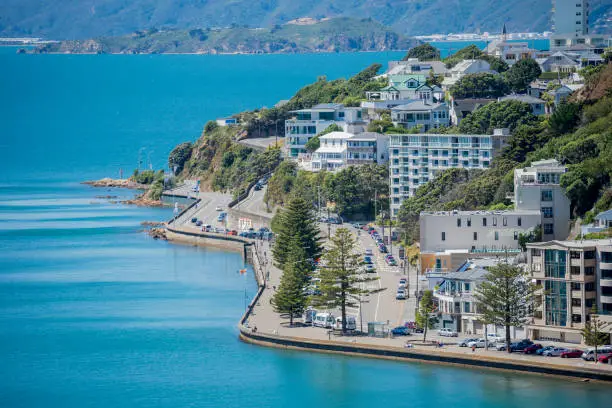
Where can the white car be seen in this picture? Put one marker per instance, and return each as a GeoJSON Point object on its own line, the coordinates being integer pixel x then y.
{"type": "Point", "coordinates": [219, 208]}
{"type": "Point", "coordinates": [401, 294]}
{"type": "Point", "coordinates": [494, 338]}
{"type": "Point", "coordinates": [447, 333]}
{"type": "Point", "coordinates": [480, 343]}
{"type": "Point", "coordinates": [368, 252]}
{"type": "Point", "coordinates": [555, 352]}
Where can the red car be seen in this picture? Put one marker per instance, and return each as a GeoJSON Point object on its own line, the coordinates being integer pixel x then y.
{"type": "Point", "coordinates": [604, 358]}
{"type": "Point", "coordinates": [532, 348]}
{"type": "Point", "coordinates": [574, 353]}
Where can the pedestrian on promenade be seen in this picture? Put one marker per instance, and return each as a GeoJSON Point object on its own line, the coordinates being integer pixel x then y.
{"type": "Point", "coordinates": [473, 348]}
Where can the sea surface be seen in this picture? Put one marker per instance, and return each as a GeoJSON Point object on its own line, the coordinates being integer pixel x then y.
{"type": "Point", "coordinates": [94, 313]}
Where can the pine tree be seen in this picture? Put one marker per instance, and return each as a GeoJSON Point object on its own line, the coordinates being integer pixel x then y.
{"type": "Point", "coordinates": [297, 221]}
{"type": "Point", "coordinates": [342, 280]}
{"type": "Point", "coordinates": [594, 333]}
{"type": "Point", "coordinates": [506, 298]}
{"type": "Point", "coordinates": [424, 318]}
{"type": "Point", "coordinates": [290, 297]}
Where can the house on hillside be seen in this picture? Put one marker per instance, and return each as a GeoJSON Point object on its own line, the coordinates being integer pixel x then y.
{"type": "Point", "coordinates": [559, 62]}
{"type": "Point", "coordinates": [466, 67]}
{"type": "Point", "coordinates": [414, 66]}
{"type": "Point", "coordinates": [512, 52]}
{"type": "Point", "coordinates": [422, 114]}
{"type": "Point", "coordinates": [602, 222]}
{"type": "Point", "coordinates": [341, 149]}
{"type": "Point", "coordinates": [460, 108]}
{"type": "Point", "coordinates": [538, 106]}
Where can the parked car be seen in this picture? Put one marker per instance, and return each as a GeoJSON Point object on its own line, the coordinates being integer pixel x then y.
{"type": "Point", "coordinates": [403, 281]}
{"type": "Point", "coordinates": [447, 333]}
{"type": "Point", "coordinates": [351, 324]}
{"type": "Point", "coordinates": [369, 268]}
{"type": "Point", "coordinates": [401, 331]}
{"type": "Point", "coordinates": [520, 345]}
{"type": "Point", "coordinates": [464, 342]}
{"type": "Point", "coordinates": [543, 350]}
{"type": "Point", "coordinates": [494, 338]}
{"type": "Point", "coordinates": [357, 225]}
{"type": "Point", "coordinates": [401, 294]}
{"type": "Point", "coordinates": [589, 354]}
{"type": "Point", "coordinates": [573, 353]}
{"type": "Point", "coordinates": [604, 358]}
{"type": "Point", "coordinates": [194, 220]}
{"type": "Point", "coordinates": [555, 352]}
{"type": "Point", "coordinates": [532, 349]}
{"type": "Point", "coordinates": [325, 320]}
{"type": "Point", "coordinates": [480, 343]}
{"type": "Point", "coordinates": [309, 316]}
{"type": "Point", "coordinates": [390, 261]}
{"type": "Point", "coordinates": [233, 232]}
{"type": "Point", "coordinates": [218, 208]}
{"type": "Point", "coordinates": [198, 223]}
{"type": "Point", "coordinates": [369, 252]}
{"type": "Point", "coordinates": [382, 248]}
{"type": "Point", "coordinates": [367, 260]}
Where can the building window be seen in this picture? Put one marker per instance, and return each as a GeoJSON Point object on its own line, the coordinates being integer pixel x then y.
{"type": "Point", "coordinates": [575, 286]}
{"type": "Point", "coordinates": [576, 318]}
{"type": "Point", "coordinates": [575, 270]}
{"type": "Point", "coordinates": [469, 222]}
{"type": "Point", "coordinates": [547, 195]}
{"type": "Point", "coordinates": [475, 236]}
{"type": "Point", "coordinates": [574, 255]}
{"type": "Point", "coordinates": [589, 254]}
{"type": "Point", "coordinates": [495, 221]}
{"type": "Point", "coordinates": [504, 221]}
{"type": "Point", "coordinates": [589, 270]}
{"type": "Point", "coordinates": [519, 221]}
{"type": "Point", "coordinates": [458, 222]}
{"type": "Point", "coordinates": [466, 307]}
{"type": "Point", "coordinates": [606, 257]}
{"type": "Point", "coordinates": [536, 252]}
{"type": "Point", "coordinates": [516, 235]}
{"type": "Point", "coordinates": [589, 287]}
{"type": "Point", "coordinates": [467, 287]}
{"type": "Point", "coordinates": [576, 302]}
{"type": "Point", "coordinates": [484, 222]}
{"type": "Point", "coordinates": [443, 236]}
{"type": "Point", "coordinates": [548, 229]}
{"type": "Point", "coordinates": [547, 212]}
{"type": "Point", "coordinates": [497, 235]}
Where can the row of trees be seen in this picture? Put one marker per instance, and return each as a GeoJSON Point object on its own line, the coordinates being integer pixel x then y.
{"type": "Point", "coordinates": [298, 244]}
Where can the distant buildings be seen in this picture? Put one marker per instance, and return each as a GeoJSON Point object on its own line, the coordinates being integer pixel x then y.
{"type": "Point", "coordinates": [465, 67]}
{"type": "Point", "coordinates": [538, 106]}
{"type": "Point", "coordinates": [307, 123]}
{"type": "Point", "coordinates": [415, 159]}
{"type": "Point", "coordinates": [227, 121]}
{"type": "Point", "coordinates": [341, 149]}
{"type": "Point", "coordinates": [575, 277]}
{"type": "Point", "coordinates": [460, 108]}
{"type": "Point", "coordinates": [602, 222]}
{"type": "Point", "coordinates": [571, 17]}
{"type": "Point", "coordinates": [414, 66]}
{"type": "Point", "coordinates": [406, 87]}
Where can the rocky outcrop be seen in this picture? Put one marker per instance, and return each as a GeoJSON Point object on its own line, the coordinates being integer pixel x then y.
{"type": "Point", "coordinates": [116, 183]}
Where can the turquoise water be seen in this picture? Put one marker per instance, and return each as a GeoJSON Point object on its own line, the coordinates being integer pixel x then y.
{"type": "Point", "coordinates": [93, 313]}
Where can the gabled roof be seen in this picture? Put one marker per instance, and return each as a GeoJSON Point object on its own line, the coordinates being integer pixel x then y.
{"type": "Point", "coordinates": [418, 105]}
{"type": "Point", "coordinates": [336, 135]}
{"type": "Point", "coordinates": [328, 106]}
{"type": "Point", "coordinates": [606, 215]}
{"type": "Point", "coordinates": [522, 98]}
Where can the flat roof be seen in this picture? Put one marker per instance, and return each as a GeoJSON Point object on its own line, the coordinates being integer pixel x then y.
{"type": "Point", "coordinates": [479, 212]}
{"type": "Point", "coordinates": [586, 243]}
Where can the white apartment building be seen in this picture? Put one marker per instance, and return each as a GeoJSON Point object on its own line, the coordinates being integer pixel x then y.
{"type": "Point", "coordinates": [415, 159]}
{"type": "Point", "coordinates": [341, 149]}
{"type": "Point", "coordinates": [571, 17]}
{"type": "Point", "coordinates": [575, 276]}
{"type": "Point", "coordinates": [414, 66]}
{"type": "Point", "coordinates": [422, 114]}
{"type": "Point", "coordinates": [307, 123]}
{"type": "Point", "coordinates": [537, 188]}
{"type": "Point", "coordinates": [491, 232]}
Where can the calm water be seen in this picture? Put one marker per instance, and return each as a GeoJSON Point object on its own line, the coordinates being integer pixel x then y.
{"type": "Point", "coordinates": [93, 313]}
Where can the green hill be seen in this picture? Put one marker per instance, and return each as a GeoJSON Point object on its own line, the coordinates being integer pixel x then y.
{"type": "Point", "coordinates": [334, 35]}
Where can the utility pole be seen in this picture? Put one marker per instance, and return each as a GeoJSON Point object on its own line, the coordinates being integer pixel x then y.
{"type": "Point", "coordinates": [375, 206]}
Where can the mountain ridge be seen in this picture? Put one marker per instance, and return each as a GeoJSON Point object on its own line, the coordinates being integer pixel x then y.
{"type": "Point", "coordinates": [82, 19]}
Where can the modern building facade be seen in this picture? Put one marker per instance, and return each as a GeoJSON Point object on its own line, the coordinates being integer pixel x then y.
{"type": "Point", "coordinates": [421, 114]}
{"type": "Point", "coordinates": [307, 123]}
{"type": "Point", "coordinates": [367, 148]}
{"type": "Point", "coordinates": [341, 149]}
{"type": "Point", "coordinates": [571, 17]}
{"type": "Point", "coordinates": [537, 188]}
{"type": "Point", "coordinates": [415, 159]}
{"type": "Point", "coordinates": [575, 277]}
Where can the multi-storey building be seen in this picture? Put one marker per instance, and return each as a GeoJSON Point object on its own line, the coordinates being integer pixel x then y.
{"type": "Point", "coordinates": [406, 87]}
{"type": "Point", "coordinates": [307, 123]}
{"type": "Point", "coordinates": [367, 147]}
{"type": "Point", "coordinates": [340, 149]}
{"type": "Point", "coordinates": [421, 114]}
{"type": "Point", "coordinates": [414, 159]}
{"type": "Point", "coordinates": [575, 277]}
{"type": "Point", "coordinates": [537, 188]}
{"type": "Point", "coordinates": [571, 17]}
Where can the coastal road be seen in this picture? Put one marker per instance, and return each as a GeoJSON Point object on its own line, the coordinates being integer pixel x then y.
{"type": "Point", "coordinates": [261, 143]}
{"type": "Point", "coordinates": [254, 205]}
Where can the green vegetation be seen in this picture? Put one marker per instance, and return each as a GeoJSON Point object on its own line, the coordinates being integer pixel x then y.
{"type": "Point", "coordinates": [290, 298]}
{"type": "Point", "coordinates": [334, 35]}
{"type": "Point", "coordinates": [352, 190]}
{"type": "Point", "coordinates": [473, 52]}
{"type": "Point", "coordinates": [506, 114]}
{"type": "Point", "coordinates": [295, 226]}
{"type": "Point", "coordinates": [595, 332]}
{"type": "Point", "coordinates": [179, 156]}
{"type": "Point", "coordinates": [424, 52]}
{"type": "Point", "coordinates": [506, 297]}
{"type": "Point", "coordinates": [521, 74]}
{"type": "Point", "coordinates": [425, 317]}
{"type": "Point", "coordinates": [145, 176]}
{"type": "Point", "coordinates": [481, 85]}
{"type": "Point", "coordinates": [342, 281]}
{"type": "Point", "coordinates": [155, 181]}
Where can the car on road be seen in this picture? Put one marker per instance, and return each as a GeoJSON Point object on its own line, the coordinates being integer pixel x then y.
{"type": "Point", "coordinates": [391, 261]}
{"type": "Point", "coordinates": [369, 268]}
{"type": "Point", "coordinates": [401, 331]}
{"type": "Point", "coordinates": [555, 352]}
{"type": "Point", "coordinates": [532, 349]}
{"type": "Point", "coordinates": [194, 220]}
{"type": "Point", "coordinates": [445, 332]}
{"type": "Point", "coordinates": [494, 338]}
{"type": "Point", "coordinates": [604, 358]}
{"type": "Point", "coordinates": [543, 350]}
{"type": "Point", "coordinates": [464, 342]}
{"type": "Point", "coordinates": [367, 260]}
{"type": "Point", "coordinates": [198, 223]}
{"type": "Point", "coordinates": [589, 354]}
{"type": "Point", "coordinates": [515, 346]}
{"type": "Point", "coordinates": [369, 252]}
{"type": "Point", "coordinates": [401, 294]}
{"type": "Point", "coordinates": [480, 343]}
{"type": "Point", "coordinates": [573, 353]}
{"type": "Point", "coordinates": [218, 208]}
{"type": "Point", "coordinates": [357, 225]}
{"type": "Point", "coordinates": [382, 248]}
{"type": "Point", "coordinates": [258, 187]}
{"type": "Point", "coordinates": [403, 281]}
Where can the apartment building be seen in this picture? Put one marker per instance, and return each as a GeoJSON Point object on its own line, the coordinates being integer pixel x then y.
{"type": "Point", "coordinates": [537, 188]}
{"type": "Point", "coordinates": [366, 148]}
{"type": "Point", "coordinates": [415, 159]}
{"type": "Point", "coordinates": [341, 149]}
{"type": "Point", "coordinates": [421, 114]}
{"type": "Point", "coordinates": [575, 276]}
{"type": "Point", "coordinates": [307, 123]}
{"type": "Point", "coordinates": [571, 17]}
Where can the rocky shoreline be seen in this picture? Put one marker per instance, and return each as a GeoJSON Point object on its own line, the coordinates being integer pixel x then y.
{"type": "Point", "coordinates": [116, 183]}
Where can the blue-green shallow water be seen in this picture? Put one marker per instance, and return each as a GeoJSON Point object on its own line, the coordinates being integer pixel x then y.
{"type": "Point", "coordinates": [93, 313]}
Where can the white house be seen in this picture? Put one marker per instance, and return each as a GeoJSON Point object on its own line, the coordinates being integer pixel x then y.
{"type": "Point", "coordinates": [341, 149]}
{"type": "Point", "coordinates": [512, 52]}
{"type": "Point", "coordinates": [422, 114]}
{"type": "Point", "coordinates": [602, 222]}
{"type": "Point", "coordinates": [406, 87]}
{"type": "Point", "coordinates": [227, 121]}
{"type": "Point", "coordinates": [538, 106]}
{"type": "Point", "coordinates": [332, 153]}
{"type": "Point", "coordinates": [465, 67]}
{"type": "Point", "coordinates": [414, 66]}
{"type": "Point", "coordinates": [559, 62]}
{"type": "Point", "coordinates": [367, 147]}
{"type": "Point", "coordinates": [307, 123]}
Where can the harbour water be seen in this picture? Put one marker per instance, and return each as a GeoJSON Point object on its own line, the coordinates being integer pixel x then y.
{"type": "Point", "coordinates": [93, 313]}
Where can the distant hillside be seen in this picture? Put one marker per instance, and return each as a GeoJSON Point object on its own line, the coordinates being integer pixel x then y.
{"type": "Point", "coordinates": [335, 35]}
{"type": "Point", "coordinates": [80, 19]}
